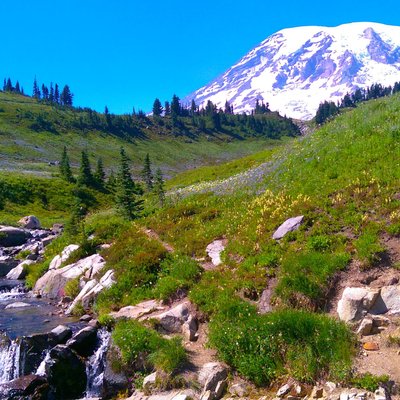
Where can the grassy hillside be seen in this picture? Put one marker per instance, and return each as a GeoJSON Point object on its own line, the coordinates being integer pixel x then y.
{"type": "Point", "coordinates": [32, 134]}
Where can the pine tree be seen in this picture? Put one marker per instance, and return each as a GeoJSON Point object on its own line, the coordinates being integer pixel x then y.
{"type": "Point", "coordinates": [100, 175]}
{"type": "Point", "coordinates": [45, 92]}
{"type": "Point", "coordinates": [167, 108]}
{"type": "Point", "coordinates": [127, 192]}
{"type": "Point", "coordinates": [9, 86]}
{"type": "Point", "coordinates": [4, 85]}
{"type": "Point", "coordinates": [36, 91]}
{"type": "Point", "coordinates": [66, 97]}
{"type": "Point", "coordinates": [85, 176]}
{"type": "Point", "coordinates": [17, 88]}
{"type": "Point", "coordinates": [175, 106]}
{"type": "Point", "coordinates": [157, 108]}
{"type": "Point", "coordinates": [147, 175]}
{"type": "Point", "coordinates": [56, 94]}
{"type": "Point", "coordinates": [51, 92]}
{"type": "Point", "coordinates": [111, 184]}
{"type": "Point", "coordinates": [193, 108]}
{"type": "Point", "coordinates": [65, 168]}
{"type": "Point", "coordinates": [159, 186]}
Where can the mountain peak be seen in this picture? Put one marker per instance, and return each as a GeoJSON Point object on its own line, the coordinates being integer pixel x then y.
{"type": "Point", "coordinates": [295, 69]}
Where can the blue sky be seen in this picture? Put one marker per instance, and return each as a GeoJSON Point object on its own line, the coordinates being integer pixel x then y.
{"type": "Point", "coordinates": [124, 54]}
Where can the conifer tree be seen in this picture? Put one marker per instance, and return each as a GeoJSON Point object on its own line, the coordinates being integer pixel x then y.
{"type": "Point", "coordinates": [4, 85]}
{"type": "Point", "coordinates": [111, 184]}
{"type": "Point", "coordinates": [147, 175]}
{"type": "Point", "coordinates": [127, 192]}
{"type": "Point", "coordinates": [159, 186]}
{"type": "Point", "coordinates": [17, 88]}
{"type": "Point", "coordinates": [157, 108]}
{"type": "Point", "coordinates": [36, 91]}
{"type": "Point", "coordinates": [51, 92]}
{"type": "Point", "coordinates": [85, 176]}
{"type": "Point", "coordinates": [56, 94]}
{"type": "Point", "coordinates": [9, 86]}
{"type": "Point", "coordinates": [66, 97]}
{"type": "Point", "coordinates": [167, 108]}
{"type": "Point", "coordinates": [65, 168]}
{"type": "Point", "coordinates": [100, 175]}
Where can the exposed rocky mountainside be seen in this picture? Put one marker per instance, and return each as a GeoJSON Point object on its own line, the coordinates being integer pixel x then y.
{"type": "Point", "coordinates": [296, 69]}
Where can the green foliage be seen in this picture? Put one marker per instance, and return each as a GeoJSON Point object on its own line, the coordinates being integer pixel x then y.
{"type": "Point", "coordinates": [85, 176]}
{"type": "Point", "coordinates": [158, 188]}
{"type": "Point", "coordinates": [307, 274]}
{"type": "Point", "coordinates": [136, 341]}
{"type": "Point", "coordinates": [368, 247]}
{"type": "Point", "coordinates": [369, 381]}
{"type": "Point", "coordinates": [147, 174]}
{"type": "Point", "coordinates": [72, 288]}
{"type": "Point", "coordinates": [65, 168]}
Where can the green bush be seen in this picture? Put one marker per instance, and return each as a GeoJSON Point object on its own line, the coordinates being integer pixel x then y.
{"type": "Point", "coordinates": [369, 381]}
{"type": "Point", "coordinates": [135, 341]}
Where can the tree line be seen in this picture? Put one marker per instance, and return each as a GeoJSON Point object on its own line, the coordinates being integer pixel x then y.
{"type": "Point", "coordinates": [328, 109]}
{"type": "Point", "coordinates": [127, 193]}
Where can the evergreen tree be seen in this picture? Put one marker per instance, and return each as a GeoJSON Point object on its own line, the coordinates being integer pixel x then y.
{"type": "Point", "coordinates": [127, 192]}
{"type": "Point", "coordinates": [4, 85]}
{"type": "Point", "coordinates": [51, 92]}
{"type": "Point", "coordinates": [193, 108]}
{"type": "Point", "coordinates": [85, 176]}
{"type": "Point", "coordinates": [100, 175]}
{"type": "Point", "coordinates": [167, 108]}
{"type": "Point", "coordinates": [159, 186]}
{"type": "Point", "coordinates": [66, 97]}
{"type": "Point", "coordinates": [111, 183]}
{"type": "Point", "coordinates": [36, 91]}
{"type": "Point", "coordinates": [56, 94]}
{"type": "Point", "coordinates": [17, 88]}
{"type": "Point", "coordinates": [45, 92]}
{"type": "Point", "coordinates": [65, 168]}
{"type": "Point", "coordinates": [147, 175]}
{"type": "Point", "coordinates": [175, 106]}
{"type": "Point", "coordinates": [9, 86]}
{"type": "Point", "coordinates": [157, 108]}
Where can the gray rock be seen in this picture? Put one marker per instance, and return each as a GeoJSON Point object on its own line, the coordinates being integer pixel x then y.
{"type": "Point", "coordinates": [150, 380]}
{"type": "Point", "coordinates": [66, 373]}
{"type": "Point", "coordinates": [19, 272]}
{"type": "Point", "coordinates": [84, 341]}
{"type": "Point", "coordinates": [47, 240]}
{"type": "Point", "coordinates": [10, 236]}
{"type": "Point", "coordinates": [138, 311]}
{"type": "Point", "coordinates": [30, 222]}
{"type": "Point", "coordinates": [210, 375]}
{"type": "Point", "coordinates": [61, 334]}
{"type": "Point", "coordinates": [25, 387]}
{"type": "Point", "coordinates": [85, 318]}
{"type": "Point", "coordinates": [173, 319]}
{"type": "Point", "coordinates": [365, 327]}
{"type": "Point", "coordinates": [289, 225]}
{"type": "Point", "coordinates": [356, 302]}
{"type": "Point", "coordinates": [214, 251]}
{"type": "Point", "coordinates": [7, 264]}
{"type": "Point", "coordinates": [391, 298]}
{"type": "Point", "coordinates": [239, 390]}
{"type": "Point", "coordinates": [17, 304]}
{"type": "Point", "coordinates": [190, 327]}
{"type": "Point", "coordinates": [283, 390]}
{"type": "Point", "coordinates": [60, 258]}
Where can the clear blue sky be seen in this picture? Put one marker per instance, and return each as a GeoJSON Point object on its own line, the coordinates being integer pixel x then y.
{"type": "Point", "coordinates": [124, 54]}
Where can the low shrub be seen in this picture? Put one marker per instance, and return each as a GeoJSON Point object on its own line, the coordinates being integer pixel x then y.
{"type": "Point", "coordinates": [369, 381]}
{"type": "Point", "coordinates": [368, 247]}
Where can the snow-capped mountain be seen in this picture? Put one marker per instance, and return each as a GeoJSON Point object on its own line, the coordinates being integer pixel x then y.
{"type": "Point", "coordinates": [295, 69]}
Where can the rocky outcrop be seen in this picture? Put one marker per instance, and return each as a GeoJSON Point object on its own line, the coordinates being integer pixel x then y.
{"type": "Point", "coordinates": [212, 378]}
{"type": "Point", "coordinates": [10, 236]}
{"type": "Point", "coordinates": [7, 264]}
{"type": "Point", "coordinates": [52, 283]}
{"type": "Point", "coordinates": [138, 311]}
{"type": "Point", "coordinates": [91, 290]}
{"type": "Point", "coordinates": [289, 225]}
{"type": "Point", "coordinates": [172, 320]}
{"type": "Point", "coordinates": [66, 373]}
{"type": "Point", "coordinates": [19, 272]}
{"type": "Point", "coordinates": [357, 302]}
{"type": "Point", "coordinates": [214, 251]}
{"type": "Point", "coordinates": [60, 258]}
{"type": "Point", "coordinates": [84, 341]}
{"type": "Point", "coordinates": [29, 222]}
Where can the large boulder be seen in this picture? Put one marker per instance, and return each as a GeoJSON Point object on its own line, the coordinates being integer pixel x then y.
{"type": "Point", "coordinates": [138, 311]}
{"type": "Point", "coordinates": [66, 373]}
{"type": "Point", "coordinates": [356, 302]}
{"type": "Point", "coordinates": [60, 334]}
{"type": "Point", "coordinates": [289, 225]}
{"type": "Point", "coordinates": [29, 222]}
{"type": "Point", "coordinates": [91, 290]}
{"type": "Point", "coordinates": [172, 320]}
{"type": "Point", "coordinates": [10, 236]}
{"type": "Point", "coordinates": [212, 378]}
{"type": "Point", "coordinates": [19, 272]}
{"type": "Point", "coordinates": [60, 258]}
{"type": "Point", "coordinates": [7, 264]}
{"type": "Point", "coordinates": [388, 301]}
{"type": "Point", "coordinates": [53, 282]}
{"type": "Point", "coordinates": [25, 387]}
{"type": "Point", "coordinates": [84, 341]}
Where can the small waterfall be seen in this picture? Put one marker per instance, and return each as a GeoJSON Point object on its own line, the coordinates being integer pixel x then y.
{"type": "Point", "coordinates": [13, 293]}
{"type": "Point", "coordinates": [9, 360]}
{"type": "Point", "coordinates": [95, 366]}
{"type": "Point", "coordinates": [41, 371]}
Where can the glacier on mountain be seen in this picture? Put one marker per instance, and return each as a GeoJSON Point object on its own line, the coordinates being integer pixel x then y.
{"type": "Point", "coordinates": [296, 69]}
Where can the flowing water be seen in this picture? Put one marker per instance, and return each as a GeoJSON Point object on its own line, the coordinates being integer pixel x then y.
{"type": "Point", "coordinates": [9, 360]}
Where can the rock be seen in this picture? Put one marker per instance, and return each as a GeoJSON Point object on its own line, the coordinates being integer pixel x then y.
{"type": "Point", "coordinates": [391, 299]}
{"type": "Point", "coordinates": [380, 321]}
{"type": "Point", "coordinates": [365, 327]}
{"type": "Point", "coordinates": [214, 251]}
{"type": "Point", "coordinates": [91, 290]}
{"type": "Point", "coordinates": [300, 390]}
{"type": "Point", "coordinates": [10, 236]}
{"type": "Point", "coordinates": [17, 304]}
{"type": "Point", "coordinates": [220, 389]}
{"type": "Point", "coordinates": [190, 327]}
{"type": "Point", "coordinates": [289, 225]}
{"type": "Point", "coordinates": [239, 390]}
{"type": "Point", "coordinates": [25, 387]}
{"type": "Point", "coordinates": [141, 309]}
{"type": "Point", "coordinates": [371, 346]}
{"type": "Point", "coordinates": [85, 318]}
{"type": "Point", "coordinates": [84, 341]}
{"type": "Point", "coordinates": [59, 259]}
{"type": "Point", "coordinates": [66, 373]}
{"type": "Point", "coordinates": [356, 302]}
{"type": "Point", "coordinates": [173, 319]}
{"type": "Point", "coordinates": [57, 228]}
{"type": "Point", "coordinates": [317, 392]}
{"type": "Point", "coordinates": [207, 395]}
{"type": "Point", "coordinates": [7, 264]}
{"type": "Point", "coordinates": [61, 334]}
{"type": "Point", "coordinates": [330, 387]}
{"type": "Point", "coordinates": [19, 272]}
{"type": "Point", "coordinates": [30, 222]}
{"type": "Point", "coordinates": [150, 381]}
{"type": "Point", "coordinates": [47, 240]}
{"type": "Point", "coordinates": [52, 283]}
{"type": "Point", "coordinates": [283, 390]}
{"type": "Point", "coordinates": [381, 394]}
{"type": "Point", "coordinates": [210, 375]}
